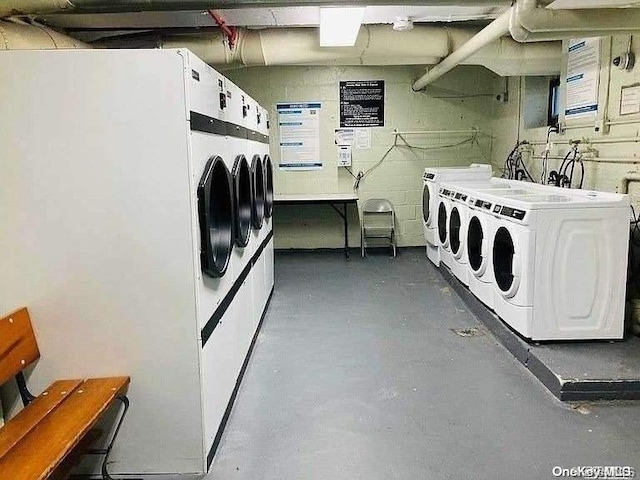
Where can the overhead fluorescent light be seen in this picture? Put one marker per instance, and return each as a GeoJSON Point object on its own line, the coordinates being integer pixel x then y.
{"type": "Point", "coordinates": [339, 27]}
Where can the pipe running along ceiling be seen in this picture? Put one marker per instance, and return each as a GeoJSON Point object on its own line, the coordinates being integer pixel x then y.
{"type": "Point", "coordinates": [376, 45]}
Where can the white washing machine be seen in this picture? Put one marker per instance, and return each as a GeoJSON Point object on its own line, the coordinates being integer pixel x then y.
{"type": "Point", "coordinates": [432, 178]}
{"type": "Point", "coordinates": [478, 242]}
{"type": "Point", "coordinates": [559, 261]}
{"type": "Point", "coordinates": [454, 249]}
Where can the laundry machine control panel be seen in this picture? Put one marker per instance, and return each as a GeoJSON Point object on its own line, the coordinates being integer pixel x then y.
{"type": "Point", "coordinates": [479, 203]}
{"type": "Point", "coordinates": [509, 212]}
{"type": "Point", "coordinates": [512, 212]}
{"type": "Point", "coordinates": [460, 196]}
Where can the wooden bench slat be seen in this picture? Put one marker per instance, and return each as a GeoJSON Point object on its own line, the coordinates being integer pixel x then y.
{"type": "Point", "coordinates": [29, 418]}
{"type": "Point", "coordinates": [18, 346]}
{"type": "Point", "coordinates": [42, 450]}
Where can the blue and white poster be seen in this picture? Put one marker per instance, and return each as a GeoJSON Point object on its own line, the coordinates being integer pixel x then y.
{"type": "Point", "coordinates": [583, 76]}
{"type": "Point", "coordinates": [299, 125]}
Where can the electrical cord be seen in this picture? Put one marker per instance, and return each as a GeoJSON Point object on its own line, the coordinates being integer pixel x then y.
{"type": "Point", "coordinates": [348, 169]}
{"type": "Point", "coordinates": [514, 167]}
{"type": "Point", "coordinates": [361, 175]}
{"type": "Point", "coordinates": [563, 177]}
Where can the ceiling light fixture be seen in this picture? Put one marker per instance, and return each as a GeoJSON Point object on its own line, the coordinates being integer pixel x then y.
{"type": "Point", "coordinates": [339, 27]}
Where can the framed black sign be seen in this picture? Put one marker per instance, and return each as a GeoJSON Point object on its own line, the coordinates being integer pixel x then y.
{"type": "Point", "coordinates": [362, 103]}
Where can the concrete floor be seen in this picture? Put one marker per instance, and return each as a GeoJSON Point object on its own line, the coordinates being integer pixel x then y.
{"type": "Point", "coordinates": [357, 375]}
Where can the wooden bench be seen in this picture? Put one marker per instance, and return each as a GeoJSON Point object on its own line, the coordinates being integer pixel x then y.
{"type": "Point", "coordinates": [36, 441]}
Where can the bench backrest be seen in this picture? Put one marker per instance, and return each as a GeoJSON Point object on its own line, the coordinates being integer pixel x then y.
{"type": "Point", "coordinates": [18, 346]}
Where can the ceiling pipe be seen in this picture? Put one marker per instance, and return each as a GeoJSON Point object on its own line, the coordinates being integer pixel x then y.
{"type": "Point", "coordinates": [30, 36]}
{"type": "Point", "coordinates": [230, 32]}
{"type": "Point", "coordinates": [531, 23]}
{"type": "Point", "coordinates": [376, 45]}
{"type": "Point", "coordinates": [487, 35]}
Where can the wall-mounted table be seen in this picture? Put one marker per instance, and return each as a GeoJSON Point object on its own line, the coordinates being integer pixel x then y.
{"type": "Point", "coordinates": [332, 199]}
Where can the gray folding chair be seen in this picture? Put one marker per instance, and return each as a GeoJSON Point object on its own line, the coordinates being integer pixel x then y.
{"type": "Point", "coordinates": [377, 225]}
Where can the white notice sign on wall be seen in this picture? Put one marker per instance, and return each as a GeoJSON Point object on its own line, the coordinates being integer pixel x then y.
{"type": "Point", "coordinates": [583, 76]}
{"type": "Point", "coordinates": [630, 100]}
{"type": "Point", "coordinates": [299, 125]}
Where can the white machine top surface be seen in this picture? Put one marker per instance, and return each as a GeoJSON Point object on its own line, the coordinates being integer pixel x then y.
{"type": "Point", "coordinates": [538, 199]}
{"type": "Point", "coordinates": [463, 172]}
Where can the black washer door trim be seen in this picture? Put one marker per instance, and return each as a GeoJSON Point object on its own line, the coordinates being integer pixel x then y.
{"type": "Point", "coordinates": [215, 212]}
{"type": "Point", "coordinates": [454, 230]}
{"type": "Point", "coordinates": [268, 193]}
{"type": "Point", "coordinates": [257, 176]}
{"type": "Point", "coordinates": [442, 223]}
{"type": "Point", "coordinates": [475, 237]}
{"type": "Point", "coordinates": [503, 251]}
{"type": "Point", "coordinates": [242, 200]}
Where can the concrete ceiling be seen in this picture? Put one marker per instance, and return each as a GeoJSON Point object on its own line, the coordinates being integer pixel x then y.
{"type": "Point", "coordinates": [271, 17]}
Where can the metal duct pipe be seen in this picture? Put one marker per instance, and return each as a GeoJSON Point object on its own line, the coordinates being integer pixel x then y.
{"type": "Point", "coordinates": [26, 36]}
{"type": "Point", "coordinates": [376, 45]}
{"type": "Point", "coordinates": [23, 7]}
{"type": "Point", "coordinates": [529, 23]}
{"type": "Point", "coordinates": [490, 33]}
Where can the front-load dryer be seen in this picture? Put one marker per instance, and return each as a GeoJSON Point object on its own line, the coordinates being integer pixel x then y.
{"type": "Point", "coordinates": [559, 261]}
{"type": "Point", "coordinates": [432, 178]}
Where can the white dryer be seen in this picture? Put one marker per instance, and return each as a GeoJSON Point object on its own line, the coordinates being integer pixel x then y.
{"type": "Point", "coordinates": [432, 178]}
{"type": "Point", "coordinates": [559, 261]}
{"type": "Point", "coordinates": [142, 229]}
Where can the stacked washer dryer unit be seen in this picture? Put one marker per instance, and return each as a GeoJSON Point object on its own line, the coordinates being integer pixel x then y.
{"type": "Point", "coordinates": [432, 178]}
{"type": "Point", "coordinates": [559, 263]}
{"type": "Point", "coordinates": [455, 197]}
{"type": "Point", "coordinates": [130, 235]}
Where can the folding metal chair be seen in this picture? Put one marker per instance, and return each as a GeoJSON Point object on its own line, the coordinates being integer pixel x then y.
{"type": "Point", "coordinates": [377, 225]}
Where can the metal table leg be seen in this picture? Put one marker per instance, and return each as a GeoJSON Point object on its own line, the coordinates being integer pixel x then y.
{"type": "Point", "coordinates": [346, 231]}
{"type": "Point", "coordinates": [343, 214]}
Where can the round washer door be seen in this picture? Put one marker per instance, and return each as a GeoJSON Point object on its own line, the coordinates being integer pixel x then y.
{"type": "Point", "coordinates": [268, 192]}
{"type": "Point", "coordinates": [426, 204]}
{"type": "Point", "coordinates": [242, 200]}
{"type": "Point", "coordinates": [506, 262]}
{"type": "Point", "coordinates": [477, 246]}
{"type": "Point", "coordinates": [442, 225]}
{"type": "Point", "coordinates": [455, 227]}
{"type": "Point", "coordinates": [215, 212]}
{"type": "Point", "coordinates": [257, 180]}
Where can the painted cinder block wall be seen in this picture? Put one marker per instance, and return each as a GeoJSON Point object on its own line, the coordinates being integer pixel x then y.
{"type": "Point", "coordinates": [399, 178]}
{"type": "Point", "coordinates": [616, 158]}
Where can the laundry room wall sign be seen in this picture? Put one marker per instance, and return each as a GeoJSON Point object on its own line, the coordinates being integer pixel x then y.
{"type": "Point", "coordinates": [362, 103]}
{"type": "Point", "coordinates": [299, 126]}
